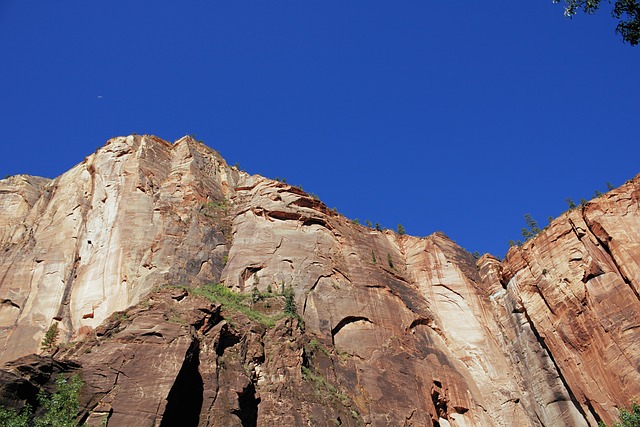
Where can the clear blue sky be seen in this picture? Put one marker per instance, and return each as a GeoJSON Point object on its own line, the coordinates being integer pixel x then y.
{"type": "Point", "coordinates": [450, 116]}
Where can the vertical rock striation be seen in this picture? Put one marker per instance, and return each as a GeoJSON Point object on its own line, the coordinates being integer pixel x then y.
{"type": "Point", "coordinates": [392, 330]}
{"type": "Point", "coordinates": [137, 214]}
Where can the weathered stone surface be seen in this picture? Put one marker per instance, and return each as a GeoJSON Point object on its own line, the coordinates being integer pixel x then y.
{"type": "Point", "coordinates": [138, 213]}
{"type": "Point", "coordinates": [405, 313]}
{"type": "Point", "coordinates": [398, 330]}
{"type": "Point", "coordinates": [576, 284]}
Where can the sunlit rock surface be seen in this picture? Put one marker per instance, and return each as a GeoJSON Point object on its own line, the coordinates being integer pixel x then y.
{"type": "Point", "coordinates": [393, 330]}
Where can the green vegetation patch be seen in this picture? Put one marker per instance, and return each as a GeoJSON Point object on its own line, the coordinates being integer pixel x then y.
{"type": "Point", "coordinates": [60, 409]}
{"type": "Point", "coordinates": [628, 418]}
{"type": "Point", "coordinates": [324, 387]}
{"type": "Point", "coordinates": [245, 303]}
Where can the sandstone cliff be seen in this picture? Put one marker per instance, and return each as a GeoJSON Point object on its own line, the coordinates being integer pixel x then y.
{"type": "Point", "coordinates": [392, 330]}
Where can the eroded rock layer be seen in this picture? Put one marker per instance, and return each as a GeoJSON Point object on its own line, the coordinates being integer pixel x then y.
{"type": "Point", "coordinates": [391, 330]}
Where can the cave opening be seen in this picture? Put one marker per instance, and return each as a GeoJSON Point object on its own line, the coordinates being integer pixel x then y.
{"type": "Point", "coordinates": [248, 403]}
{"type": "Point", "coordinates": [184, 401]}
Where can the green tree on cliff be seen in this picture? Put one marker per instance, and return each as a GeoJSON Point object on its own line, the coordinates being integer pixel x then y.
{"type": "Point", "coordinates": [401, 230]}
{"type": "Point", "coordinates": [532, 229]}
{"type": "Point", "coordinates": [50, 338]}
{"type": "Point", "coordinates": [62, 407]}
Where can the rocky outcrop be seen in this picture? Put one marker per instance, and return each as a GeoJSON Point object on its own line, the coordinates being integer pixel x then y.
{"type": "Point", "coordinates": [137, 214]}
{"type": "Point", "coordinates": [575, 287]}
{"type": "Point", "coordinates": [179, 359]}
{"type": "Point", "coordinates": [393, 330]}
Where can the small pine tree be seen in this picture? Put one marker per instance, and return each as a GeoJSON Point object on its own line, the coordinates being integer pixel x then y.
{"type": "Point", "coordinates": [373, 257]}
{"type": "Point", "coordinates": [550, 219]}
{"type": "Point", "coordinates": [290, 302]}
{"type": "Point", "coordinates": [50, 338]}
{"type": "Point", "coordinates": [390, 260]}
{"type": "Point", "coordinates": [610, 186]}
{"type": "Point", "coordinates": [597, 193]}
{"type": "Point", "coordinates": [356, 221]}
{"type": "Point", "coordinates": [401, 230]}
{"type": "Point", "coordinates": [476, 255]}
{"type": "Point", "coordinates": [526, 234]}
{"type": "Point", "coordinates": [532, 224]}
{"type": "Point", "coordinates": [570, 202]}
{"type": "Point", "coordinates": [583, 202]}
{"type": "Point", "coordinates": [511, 243]}
{"type": "Point", "coordinates": [368, 223]}
{"type": "Point", "coordinates": [255, 294]}
{"type": "Point", "coordinates": [378, 226]}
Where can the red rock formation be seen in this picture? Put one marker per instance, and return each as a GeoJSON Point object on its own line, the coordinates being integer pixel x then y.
{"type": "Point", "coordinates": [576, 284]}
{"type": "Point", "coordinates": [397, 330]}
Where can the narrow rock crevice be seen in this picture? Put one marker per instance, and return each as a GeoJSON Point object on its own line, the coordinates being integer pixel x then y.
{"type": "Point", "coordinates": [227, 339]}
{"type": "Point", "coordinates": [185, 398]}
{"type": "Point", "coordinates": [248, 406]}
{"type": "Point", "coordinates": [546, 349]}
{"type": "Point", "coordinates": [439, 403]}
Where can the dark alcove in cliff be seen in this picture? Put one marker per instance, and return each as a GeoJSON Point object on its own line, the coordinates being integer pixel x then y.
{"type": "Point", "coordinates": [248, 403]}
{"type": "Point", "coordinates": [185, 398]}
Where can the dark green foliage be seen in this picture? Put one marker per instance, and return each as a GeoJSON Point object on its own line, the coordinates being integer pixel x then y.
{"type": "Point", "coordinates": [583, 202]}
{"type": "Point", "coordinates": [368, 223]}
{"type": "Point", "coordinates": [627, 12]}
{"type": "Point", "coordinates": [290, 302]}
{"type": "Point", "coordinates": [476, 255]}
{"type": "Point", "coordinates": [511, 243]}
{"type": "Point", "coordinates": [628, 418]}
{"type": "Point", "coordinates": [610, 186]}
{"type": "Point", "coordinates": [550, 219]}
{"type": "Point", "coordinates": [62, 407]}
{"type": "Point", "coordinates": [570, 203]}
{"type": "Point", "coordinates": [532, 229]}
{"type": "Point", "coordinates": [9, 417]}
{"type": "Point", "coordinates": [597, 193]}
{"type": "Point", "coordinates": [526, 234]}
{"type": "Point", "coordinates": [373, 257]}
{"type": "Point", "coordinates": [389, 260]}
{"type": "Point", "coordinates": [531, 223]}
{"type": "Point", "coordinates": [378, 226]}
{"type": "Point", "coordinates": [255, 294]}
{"type": "Point", "coordinates": [401, 230]}
{"type": "Point", "coordinates": [235, 301]}
{"type": "Point", "coordinates": [355, 221]}
{"type": "Point", "coordinates": [50, 338]}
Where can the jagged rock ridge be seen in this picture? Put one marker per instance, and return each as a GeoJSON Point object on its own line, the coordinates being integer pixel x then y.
{"type": "Point", "coordinates": [398, 330]}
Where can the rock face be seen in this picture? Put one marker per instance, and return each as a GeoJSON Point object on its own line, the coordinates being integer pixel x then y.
{"type": "Point", "coordinates": [391, 330]}
{"type": "Point", "coordinates": [137, 214]}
